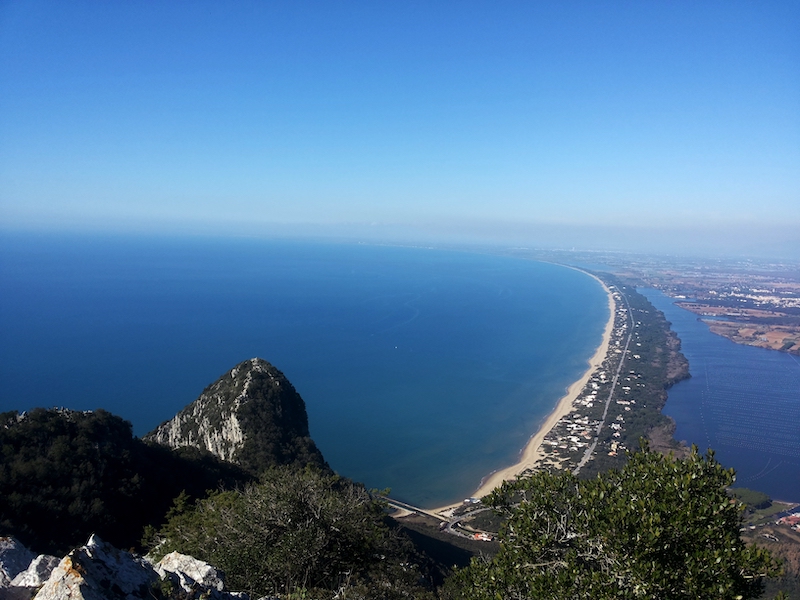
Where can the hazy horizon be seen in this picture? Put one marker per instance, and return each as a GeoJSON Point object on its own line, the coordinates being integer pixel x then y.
{"type": "Point", "coordinates": [642, 127]}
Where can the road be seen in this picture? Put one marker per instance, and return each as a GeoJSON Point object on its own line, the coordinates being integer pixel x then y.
{"type": "Point", "coordinates": [588, 454]}
{"type": "Point", "coordinates": [452, 523]}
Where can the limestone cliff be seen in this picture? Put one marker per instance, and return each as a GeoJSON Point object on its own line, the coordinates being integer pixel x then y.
{"type": "Point", "coordinates": [251, 416]}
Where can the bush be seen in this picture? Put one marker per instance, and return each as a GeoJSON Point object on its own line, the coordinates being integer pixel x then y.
{"type": "Point", "coordinates": [296, 532]}
{"type": "Point", "coordinates": [658, 528]}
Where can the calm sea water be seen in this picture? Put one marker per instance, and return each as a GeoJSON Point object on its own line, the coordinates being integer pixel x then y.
{"type": "Point", "coordinates": [743, 402]}
{"type": "Point", "coordinates": [422, 370]}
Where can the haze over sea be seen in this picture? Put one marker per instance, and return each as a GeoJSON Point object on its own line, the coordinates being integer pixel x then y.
{"type": "Point", "coordinates": [422, 370]}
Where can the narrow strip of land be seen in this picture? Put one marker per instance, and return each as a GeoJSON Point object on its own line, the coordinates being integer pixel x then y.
{"type": "Point", "coordinates": [588, 454]}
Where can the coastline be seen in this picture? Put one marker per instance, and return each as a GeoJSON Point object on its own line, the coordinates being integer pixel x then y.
{"type": "Point", "coordinates": [531, 453]}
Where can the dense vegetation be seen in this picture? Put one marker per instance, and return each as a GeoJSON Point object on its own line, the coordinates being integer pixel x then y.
{"type": "Point", "coordinates": [276, 425]}
{"type": "Point", "coordinates": [67, 474]}
{"type": "Point", "coordinates": [752, 499]}
{"type": "Point", "coordinates": [299, 532]}
{"type": "Point", "coordinates": [658, 528]}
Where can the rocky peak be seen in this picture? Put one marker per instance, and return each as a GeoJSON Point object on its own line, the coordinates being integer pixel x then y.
{"type": "Point", "coordinates": [251, 416]}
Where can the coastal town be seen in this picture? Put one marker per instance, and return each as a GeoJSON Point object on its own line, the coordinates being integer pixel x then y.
{"type": "Point", "coordinates": [602, 404]}
{"type": "Point", "coordinates": [603, 415]}
{"type": "Point", "coordinates": [615, 405]}
{"type": "Point", "coordinates": [620, 400]}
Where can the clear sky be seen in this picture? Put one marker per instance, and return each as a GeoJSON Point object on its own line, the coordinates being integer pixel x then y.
{"type": "Point", "coordinates": [587, 124]}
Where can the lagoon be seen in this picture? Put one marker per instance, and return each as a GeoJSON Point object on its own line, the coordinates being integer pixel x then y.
{"type": "Point", "coordinates": [741, 401]}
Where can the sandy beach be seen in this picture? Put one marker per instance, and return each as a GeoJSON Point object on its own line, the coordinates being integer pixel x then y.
{"type": "Point", "coordinates": [531, 453]}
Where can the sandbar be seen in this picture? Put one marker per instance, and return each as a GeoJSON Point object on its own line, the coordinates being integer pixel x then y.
{"type": "Point", "coordinates": [531, 453]}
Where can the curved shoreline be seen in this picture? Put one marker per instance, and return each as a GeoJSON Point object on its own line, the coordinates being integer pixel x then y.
{"type": "Point", "coordinates": [530, 454]}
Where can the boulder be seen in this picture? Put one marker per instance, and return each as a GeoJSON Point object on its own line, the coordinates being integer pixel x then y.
{"type": "Point", "coordinates": [37, 572]}
{"type": "Point", "coordinates": [98, 571]}
{"type": "Point", "coordinates": [191, 572]}
{"type": "Point", "coordinates": [14, 558]}
{"type": "Point", "coordinates": [197, 579]}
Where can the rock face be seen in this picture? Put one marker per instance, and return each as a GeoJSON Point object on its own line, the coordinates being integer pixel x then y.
{"type": "Point", "coordinates": [99, 571]}
{"type": "Point", "coordinates": [14, 558]}
{"type": "Point", "coordinates": [251, 416]}
{"type": "Point", "coordinates": [37, 572]}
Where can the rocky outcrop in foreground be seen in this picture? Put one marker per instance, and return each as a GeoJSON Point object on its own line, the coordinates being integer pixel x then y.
{"type": "Point", "coordinates": [251, 416]}
{"type": "Point", "coordinates": [99, 571]}
{"type": "Point", "coordinates": [14, 558]}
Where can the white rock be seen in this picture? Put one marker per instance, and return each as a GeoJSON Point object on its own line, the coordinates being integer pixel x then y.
{"type": "Point", "coordinates": [196, 570]}
{"type": "Point", "coordinates": [37, 572]}
{"type": "Point", "coordinates": [14, 558]}
{"type": "Point", "coordinates": [98, 571]}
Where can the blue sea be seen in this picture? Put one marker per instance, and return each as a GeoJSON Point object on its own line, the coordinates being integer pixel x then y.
{"type": "Point", "coordinates": [422, 370]}
{"type": "Point", "coordinates": [742, 401]}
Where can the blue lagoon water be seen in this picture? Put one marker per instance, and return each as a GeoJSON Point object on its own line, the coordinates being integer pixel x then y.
{"type": "Point", "coordinates": [741, 401]}
{"type": "Point", "coordinates": [422, 370]}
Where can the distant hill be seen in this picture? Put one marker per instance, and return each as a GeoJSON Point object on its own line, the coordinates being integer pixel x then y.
{"type": "Point", "coordinates": [251, 416]}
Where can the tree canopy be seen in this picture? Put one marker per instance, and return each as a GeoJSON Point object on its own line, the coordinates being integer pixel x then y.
{"type": "Point", "coordinates": [301, 532]}
{"type": "Point", "coordinates": [660, 527]}
{"type": "Point", "coordinates": [67, 474]}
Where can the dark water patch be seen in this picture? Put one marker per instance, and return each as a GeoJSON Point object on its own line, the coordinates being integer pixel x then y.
{"type": "Point", "coordinates": [742, 401]}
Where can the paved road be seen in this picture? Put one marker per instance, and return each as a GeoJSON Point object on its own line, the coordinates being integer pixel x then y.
{"type": "Point", "coordinates": [588, 454]}
{"type": "Point", "coordinates": [451, 523]}
{"type": "Point", "coordinates": [412, 508]}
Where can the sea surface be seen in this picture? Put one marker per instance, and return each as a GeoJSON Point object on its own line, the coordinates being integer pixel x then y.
{"type": "Point", "coordinates": [742, 401]}
{"type": "Point", "coordinates": [422, 370]}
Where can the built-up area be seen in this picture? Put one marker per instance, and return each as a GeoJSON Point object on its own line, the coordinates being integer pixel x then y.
{"type": "Point", "coordinates": [622, 400]}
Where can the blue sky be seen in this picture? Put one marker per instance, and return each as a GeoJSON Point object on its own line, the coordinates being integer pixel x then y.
{"type": "Point", "coordinates": [588, 124]}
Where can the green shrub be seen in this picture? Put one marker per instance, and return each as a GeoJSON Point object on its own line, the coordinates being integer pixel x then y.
{"type": "Point", "coordinates": [658, 528]}
{"type": "Point", "coordinates": [296, 532]}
